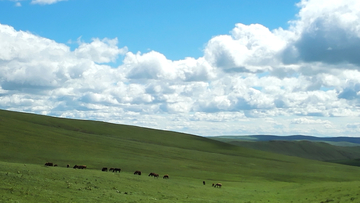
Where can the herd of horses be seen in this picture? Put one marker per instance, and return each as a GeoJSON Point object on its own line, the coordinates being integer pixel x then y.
{"type": "Point", "coordinates": [155, 175]}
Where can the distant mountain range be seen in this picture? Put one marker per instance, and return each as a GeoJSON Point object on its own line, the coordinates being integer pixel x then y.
{"type": "Point", "coordinates": [338, 141]}
{"type": "Point", "coordinates": [344, 150]}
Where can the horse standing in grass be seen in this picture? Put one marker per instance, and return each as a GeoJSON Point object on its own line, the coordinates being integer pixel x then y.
{"type": "Point", "coordinates": [80, 166]}
{"type": "Point", "coordinates": [137, 173]}
{"type": "Point", "coordinates": [104, 169]}
{"type": "Point", "coordinates": [154, 174]}
{"type": "Point", "coordinates": [166, 176]}
{"type": "Point", "coordinates": [49, 164]}
{"type": "Point", "coordinates": [204, 182]}
{"type": "Point", "coordinates": [117, 170]}
{"type": "Point", "coordinates": [217, 185]}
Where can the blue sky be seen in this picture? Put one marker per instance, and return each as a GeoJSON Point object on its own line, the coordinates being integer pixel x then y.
{"type": "Point", "coordinates": [201, 67]}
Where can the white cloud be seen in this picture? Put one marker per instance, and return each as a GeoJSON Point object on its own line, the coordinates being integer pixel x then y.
{"type": "Point", "coordinates": [249, 48]}
{"type": "Point", "coordinates": [326, 31]}
{"type": "Point", "coordinates": [100, 51]}
{"type": "Point", "coordinates": [44, 2]}
{"type": "Point", "coordinates": [309, 121]}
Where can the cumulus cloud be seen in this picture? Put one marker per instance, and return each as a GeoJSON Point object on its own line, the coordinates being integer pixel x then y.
{"type": "Point", "coordinates": [326, 31]}
{"type": "Point", "coordinates": [249, 48]}
{"type": "Point", "coordinates": [252, 80]}
{"type": "Point", "coordinates": [100, 51]}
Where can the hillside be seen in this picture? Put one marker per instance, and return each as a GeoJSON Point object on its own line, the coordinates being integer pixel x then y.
{"type": "Point", "coordinates": [337, 141]}
{"type": "Point", "coordinates": [337, 149]}
{"type": "Point", "coordinates": [35, 139]}
{"type": "Point", "coordinates": [29, 138]}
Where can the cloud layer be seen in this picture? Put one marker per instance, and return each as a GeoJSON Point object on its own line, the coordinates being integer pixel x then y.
{"type": "Point", "coordinates": [302, 80]}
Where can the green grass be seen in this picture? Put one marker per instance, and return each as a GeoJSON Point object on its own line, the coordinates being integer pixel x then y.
{"type": "Point", "coordinates": [35, 183]}
{"type": "Point", "coordinates": [27, 141]}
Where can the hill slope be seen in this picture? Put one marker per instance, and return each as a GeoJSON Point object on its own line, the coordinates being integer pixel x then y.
{"type": "Point", "coordinates": [323, 149]}
{"type": "Point", "coordinates": [34, 139]}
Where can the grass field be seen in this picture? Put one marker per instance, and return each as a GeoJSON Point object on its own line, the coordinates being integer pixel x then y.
{"type": "Point", "coordinates": [27, 141]}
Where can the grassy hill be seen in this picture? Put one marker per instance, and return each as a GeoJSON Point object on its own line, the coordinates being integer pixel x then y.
{"type": "Point", "coordinates": [27, 141]}
{"type": "Point", "coordinates": [343, 150]}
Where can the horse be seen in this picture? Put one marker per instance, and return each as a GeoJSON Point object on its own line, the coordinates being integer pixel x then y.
{"type": "Point", "coordinates": [49, 164]}
{"type": "Point", "coordinates": [55, 165]}
{"type": "Point", "coordinates": [117, 170]}
{"type": "Point", "coordinates": [137, 173]}
{"type": "Point", "coordinates": [204, 182]}
{"type": "Point", "coordinates": [67, 166]}
{"type": "Point", "coordinates": [166, 176]}
{"type": "Point", "coordinates": [104, 169]}
{"type": "Point", "coordinates": [80, 166]}
{"type": "Point", "coordinates": [218, 185]}
{"type": "Point", "coordinates": [154, 174]}
{"type": "Point", "coordinates": [111, 169]}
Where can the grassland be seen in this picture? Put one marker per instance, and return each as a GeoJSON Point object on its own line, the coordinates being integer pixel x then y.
{"type": "Point", "coordinates": [27, 141]}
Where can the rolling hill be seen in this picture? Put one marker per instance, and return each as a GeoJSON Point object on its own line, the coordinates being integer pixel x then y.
{"type": "Point", "coordinates": [344, 150]}
{"type": "Point", "coordinates": [27, 141]}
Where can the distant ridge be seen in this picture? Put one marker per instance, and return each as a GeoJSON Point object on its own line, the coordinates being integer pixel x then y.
{"type": "Point", "coordinates": [355, 140]}
{"type": "Point", "coordinates": [345, 150]}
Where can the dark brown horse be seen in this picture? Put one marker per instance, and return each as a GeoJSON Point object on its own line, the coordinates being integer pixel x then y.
{"type": "Point", "coordinates": [217, 185]}
{"type": "Point", "coordinates": [111, 169]}
{"type": "Point", "coordinates": [204, 182]}
{"type": "Point", "coordinates": [104, 169]}
{"type": "Point", "coordinates": [117, 170]}
{"type": "Point", "coordinates": [49, 164]}
{"type": "Point", "coordinates": [80, 166]}
{"type": "Point", "coordinates": [137, 173]}
{"type": "Point", "coordinates": [166, 176]}
{"type": "Point", "coordinates": [67, 166]}
{"type": "Point", "coordinates": [55, 165]}
{"type": "Point", "coordinates": [154, 174]}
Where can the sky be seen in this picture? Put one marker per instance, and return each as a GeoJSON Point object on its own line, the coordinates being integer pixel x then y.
{"type": "Point", "coordinates": [201, 67]}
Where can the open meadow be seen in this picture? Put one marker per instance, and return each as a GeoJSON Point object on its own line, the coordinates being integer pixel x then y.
{"type": "Point", "coordinates": [28, 141]}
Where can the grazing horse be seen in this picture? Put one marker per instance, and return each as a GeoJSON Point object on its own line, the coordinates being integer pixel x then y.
{"type": "Point", "coordinates": [117, 170]}
{"type": "Point", "coordinates": [80, 166]}
{"type": "Point", "coordinates": [204, 182]}
{"type": "Point", "coordinates": [49, 164]}
{"type": "Point", "coordinates": [67, 166]}
{"type": "Point", "coordinates": [218, 185]}
{"type": "Point", "coordinates": [166, 176]}
{"type": "Point", "coordinates": [137, 173]}
{"type": "Point", "coordinates": [111, 169]}
{"type": "Point", "coordinates": [55, 165]}
{"type": "Point", "coordinates": [104, 169]}
{"type": "Point", "coordinates": [154, 174]}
